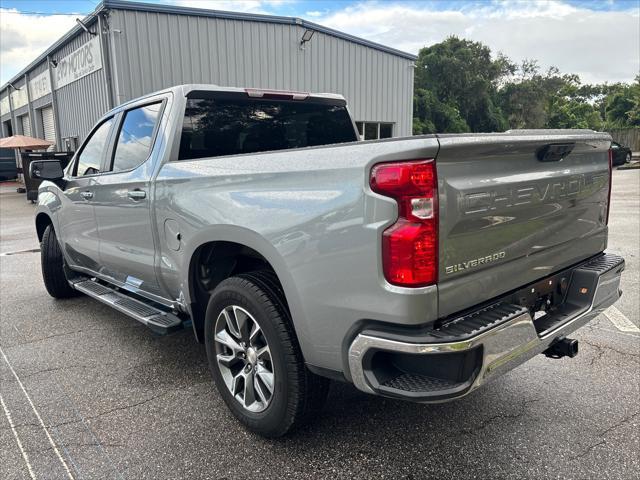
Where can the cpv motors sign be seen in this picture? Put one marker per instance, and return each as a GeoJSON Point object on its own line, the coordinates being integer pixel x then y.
{"type": "Point", "coordinates": [80, 63]}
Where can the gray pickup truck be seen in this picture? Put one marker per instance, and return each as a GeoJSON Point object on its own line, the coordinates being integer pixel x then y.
{"type": "Point", "coordinates": [416, 268]}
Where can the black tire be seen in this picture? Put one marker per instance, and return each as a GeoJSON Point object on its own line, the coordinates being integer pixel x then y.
{"type": "Point", "coordinates": [52, 261]}
{"type": "Point", "coordinates": [627, 158]}
{"type": "Point", "coordinates": [298, 393]}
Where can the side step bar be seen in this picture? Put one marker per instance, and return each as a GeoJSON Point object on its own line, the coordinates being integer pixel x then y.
{"type": "Point", "coordinates": [157, 320]}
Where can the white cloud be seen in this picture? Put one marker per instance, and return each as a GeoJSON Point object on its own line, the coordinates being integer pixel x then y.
{"type": "Point", "coordinates": [24, 37]}
{"type": "Point", "coordinates": [247, 6]}
{"type": "Point", "coordinates": [597, 45]}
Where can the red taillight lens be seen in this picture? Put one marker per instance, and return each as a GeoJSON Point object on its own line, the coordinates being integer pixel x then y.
{"type": "Point", "coordinates": [610, 182]}
{"type": "Point", "coordinates": [410, 246]}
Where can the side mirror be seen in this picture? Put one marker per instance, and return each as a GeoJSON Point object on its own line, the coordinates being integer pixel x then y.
{"type": "Point", "coordinates": [46, 170]}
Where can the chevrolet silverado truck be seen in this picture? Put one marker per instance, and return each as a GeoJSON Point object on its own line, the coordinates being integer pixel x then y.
{"type": "Point", "coordinates": [415, 268]}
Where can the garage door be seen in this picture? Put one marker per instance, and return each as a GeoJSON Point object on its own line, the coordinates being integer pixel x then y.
{"type": "Point", "coordinates": [26, 125]}
{"type": "Point", "coordinates": [48, 125]}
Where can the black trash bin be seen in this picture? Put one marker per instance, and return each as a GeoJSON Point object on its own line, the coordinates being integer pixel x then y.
{"type": "Point", "coordinates": [32, 184]}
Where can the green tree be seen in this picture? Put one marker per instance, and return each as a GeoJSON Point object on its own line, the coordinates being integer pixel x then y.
{"type": "Point", "coordinates": [526, 98]}
{"type": "Point", "coordinates": [456, 87]}
{"type": "Point", "coordinates": [461, 87]}
{"type": "Point", "coordinates": [434, 116]}
{"type": "Point", "coordinates": [622, 105]}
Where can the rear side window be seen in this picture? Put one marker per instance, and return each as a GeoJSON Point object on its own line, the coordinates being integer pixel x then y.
{"type": "Point", "coordinates": [91, 155]}
{"type": "Point", "coordinates": [136, 137]}
{"type": "Point", "coordinates": [228, 126]}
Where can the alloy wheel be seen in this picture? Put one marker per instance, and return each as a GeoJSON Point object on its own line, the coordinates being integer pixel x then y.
{"type": "Point", "coordinates": [244, 358]}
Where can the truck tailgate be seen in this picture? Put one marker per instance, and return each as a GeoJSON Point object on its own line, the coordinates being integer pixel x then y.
{"type": "Point", "coordinates": [515, 207]}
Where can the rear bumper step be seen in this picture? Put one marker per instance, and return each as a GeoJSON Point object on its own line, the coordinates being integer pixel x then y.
{"type": "Point", "coordinates": [159, 321]}
{"type": "Point", "coordinates": [460, 355]}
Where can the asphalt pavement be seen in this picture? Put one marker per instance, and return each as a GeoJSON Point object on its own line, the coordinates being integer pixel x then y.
{"type": "Point", "coordinates": [88, 393]}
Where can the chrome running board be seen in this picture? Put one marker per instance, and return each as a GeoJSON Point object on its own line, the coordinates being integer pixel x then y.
{"type": "Point", "coordinates": [158, 320]}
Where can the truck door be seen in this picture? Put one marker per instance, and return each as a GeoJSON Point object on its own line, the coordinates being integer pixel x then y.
{"type": "Point", "coordinates": [78, 228]}
{"type": "Point", "coordinates": [122, 201]}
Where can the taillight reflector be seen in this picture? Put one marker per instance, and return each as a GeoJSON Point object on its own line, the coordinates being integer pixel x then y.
{"type": "Point", "coordinates": [410, 246]}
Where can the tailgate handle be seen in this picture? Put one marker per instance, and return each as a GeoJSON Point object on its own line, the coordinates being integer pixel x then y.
{"type": "Point", "coordinates": [554, 152]}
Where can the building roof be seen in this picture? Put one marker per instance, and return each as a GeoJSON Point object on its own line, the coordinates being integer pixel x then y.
{"type": "Point", "coordinates": [202, 12]}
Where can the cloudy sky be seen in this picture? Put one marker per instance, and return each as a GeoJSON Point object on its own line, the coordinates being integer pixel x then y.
{"type": "Point", "coordinates": [599, 40]}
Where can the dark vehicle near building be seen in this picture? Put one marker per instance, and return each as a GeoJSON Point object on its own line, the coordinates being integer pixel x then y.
{"type": "Point", "coordinates": [8, 169]}
{"type": "Point", "coordinates": [620, 154]}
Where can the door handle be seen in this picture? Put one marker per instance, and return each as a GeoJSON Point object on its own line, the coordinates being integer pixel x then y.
{"type": "Point", "coordinates": [137, 194]}
{"type": "Point", "coordinates": [87, 195]}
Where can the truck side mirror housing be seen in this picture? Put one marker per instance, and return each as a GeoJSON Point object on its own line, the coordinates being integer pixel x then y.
{"type": "Point", "coordinates": [46, 170]}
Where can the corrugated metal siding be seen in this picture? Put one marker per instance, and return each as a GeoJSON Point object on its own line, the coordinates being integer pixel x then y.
{"type": "Point", "coordinates": [5, 115]}
{"type": "Point", "coordinates": [24, 110]}
{"type": "Point", "coordinates": [83, 102]}
{"type": "Point", "coordinates": [38, 69]}
{"type": "Point", "coordinates": [156, 50]}
{"type": "Point", "coordinates": [41, 102]}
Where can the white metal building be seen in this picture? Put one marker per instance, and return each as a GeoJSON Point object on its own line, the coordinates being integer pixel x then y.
{"type": "Point", "coordinates": [124, 49]}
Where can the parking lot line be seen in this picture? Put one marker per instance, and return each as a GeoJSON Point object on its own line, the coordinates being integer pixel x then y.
{"type": "Point", "coordinates": [619, 320]}
{"type": "Point", "coordinates": [33, 407]}
{"type": "Point", "coordinates": [15, 434]}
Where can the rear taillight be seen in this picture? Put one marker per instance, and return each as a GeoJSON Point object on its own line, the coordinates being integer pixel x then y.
{"type": "Point", "coordinates": [610, 182]}
{"type": "Point", "coordinates": [410, 246]}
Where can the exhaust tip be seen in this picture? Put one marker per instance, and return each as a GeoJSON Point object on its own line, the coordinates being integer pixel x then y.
{"type": "Point", "coordinates": [563, 347]}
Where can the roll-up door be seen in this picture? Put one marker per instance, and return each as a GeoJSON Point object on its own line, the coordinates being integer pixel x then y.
{"type": "Point", "coordinates": [26, 125]}
{"type": "Point", "coordinates": [48, 126]}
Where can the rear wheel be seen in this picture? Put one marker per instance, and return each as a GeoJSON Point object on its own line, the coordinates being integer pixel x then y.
{"type": "Point", "coordinates": [52, 262]}
{"type": "Point", "coordinates": [254, 356]}
{"type": "Point", "coordinates": [627, 158]}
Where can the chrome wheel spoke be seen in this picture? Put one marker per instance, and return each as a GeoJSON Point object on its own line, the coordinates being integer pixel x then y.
{"type": "Point", "coordinates": [228, 341]}
{"type": "Point", "coordinates": [232, 323]}
{"type": "Point", "coordinates": [264, 353]}
{"type": "Point", "coordinates": [244, 358]}
{"type": "Point", "coordinates": [226, 360]}
{"type": "Point", "coordinates": [236, 383]}
{"type": "Point", "coordinates": [260, 391]}
{"type": "Point", "coordinates": [266, 378]}
{"type": "Point", "coordinates": [254, 333]}
{"type": "Point", "coordinates": [242, 321]}
{"type": "Point", "coordinates": [249, 391]}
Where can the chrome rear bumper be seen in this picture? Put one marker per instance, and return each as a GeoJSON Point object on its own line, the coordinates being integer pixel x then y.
{"type": "Point", "coordinates": [494, 350]}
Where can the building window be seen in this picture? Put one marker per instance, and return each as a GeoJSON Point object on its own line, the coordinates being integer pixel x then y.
{"type": "Point", "coordinates": [371, 131]}
{"type": "Point", "coordinates": [71, 144]}
{"type": "Point", "coordinates": [386, 130]}
{"type": "Point", "coordinates": [374, 130]}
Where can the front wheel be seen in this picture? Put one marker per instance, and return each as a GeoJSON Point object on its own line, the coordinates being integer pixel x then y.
{"type": "Point", "coordinates": [627, 158]}
{"type": "Point", "coordinates": [52, 262]}
{"type": "Point", "coordinates": [254, 356]}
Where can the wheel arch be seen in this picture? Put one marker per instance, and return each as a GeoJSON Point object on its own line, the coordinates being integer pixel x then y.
{"type": "Point", "coordinates": [43, 220]}
{"type": "Point", "coordinates": [235, 250]}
